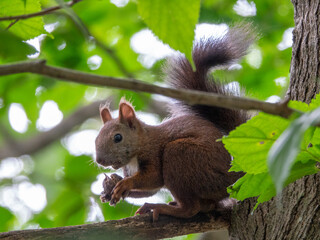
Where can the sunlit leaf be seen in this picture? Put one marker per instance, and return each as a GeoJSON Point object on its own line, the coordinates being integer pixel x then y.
{"type": "Point", "coordinates": [249, 143]}
{"type": "Point", "coordinates": [304, 107]}
{"type": "Point", "coordinates": [284, 151]}
{"type": "Point", "coordinates": [20, 51]}
{"type": "Point", "coordinates": [6, 219]}
{"type": "Point", "coordinates": [301, 106]}
{"type": "Point", "coordinates": [173, 21]}
{"type": "Point", "coordinates": [261, 185]}
{"type": "Point", "coordinates": [24, 28]}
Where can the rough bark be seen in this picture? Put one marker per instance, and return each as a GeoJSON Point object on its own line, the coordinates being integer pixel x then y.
{"type": "Point", "coordinates": [305, 63]}
{"type": "Point", "coordinates": [138, 227]}
{"type": "Point", "coordinates": [296, 213]}
{"type": "Point", "coordinates": [293, 215]}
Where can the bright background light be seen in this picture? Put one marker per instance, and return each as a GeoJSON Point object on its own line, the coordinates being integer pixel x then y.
{"type": "Point", "coordinates": [18, 118]}
{"type": "Point", "coordinates": [25, 198]}
{"type": "Point", "coordinates": [50, 116]}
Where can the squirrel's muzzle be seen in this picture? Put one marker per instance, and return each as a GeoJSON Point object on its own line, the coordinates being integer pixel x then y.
{"type": "Point", "coordinates": [100, 159]}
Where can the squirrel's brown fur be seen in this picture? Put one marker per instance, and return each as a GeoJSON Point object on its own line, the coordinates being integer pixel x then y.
{"type": "Point", "coordinates": [182, 153]}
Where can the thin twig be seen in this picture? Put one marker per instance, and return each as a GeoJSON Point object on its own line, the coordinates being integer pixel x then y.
{"type": "Point", "coordinates": [189, 96]}
{"type": "Point", "coordinates": [12, 23]}
{"type": "Point", "coordinates": [100, 44]}
{"type": "Point", "coordinates": [41, 13]}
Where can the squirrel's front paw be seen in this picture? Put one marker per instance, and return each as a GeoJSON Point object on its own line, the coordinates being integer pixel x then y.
{"type": "Point", "coordinates": [121, 190]}
{"type": "Point", "coordinates": [108, 185]}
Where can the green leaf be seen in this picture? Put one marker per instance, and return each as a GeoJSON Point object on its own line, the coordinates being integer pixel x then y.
{"type": "Point", "coordinates": [316, 137]}
{"type": "Point", "coordinates": [121, 210]}
{"type": "Point", "coordinates": [73, 16]}
{"type": "Point", "coordinates": [24, 28]}
{"type": "Point", "coordinates": [43, 221]}
{"type": "Point", "coordinates": [173, 21]}
{"type": "Point", "coordinates": [301, 106]}
{"type": "Point", "coordinates": [261, 185]}
{"type": "Point", "coordinates": [20, 49]}
{"type": "Point", "coordinates": [24, 2]}
{"type": "Point", "coordinates": [6, 217]}
{"type": "Point", "coordinates": [304, 107]}
{"type": "Point", "coordinates": [285, 150]}
{"type": "Point", "coordinates": [315, 102]}
{"type": "Point", "coordinates": [314, 152]}
{"type": "Point", "coordinates": [251, 185]}
{"type": "Point", "coordinates": [80, 169]}
{"type": "Point", "coordinates": [68, 208]}
{"type": "Point", "coordinates": [249, 143]}
{"type": "Point", "coordinates": [300, 170]}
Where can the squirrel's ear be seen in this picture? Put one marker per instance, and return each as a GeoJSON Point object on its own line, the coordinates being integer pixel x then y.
{"type": "Point", "coordinates": [126, 113]}
{"type": "Point", "coordinates": [105, 113]}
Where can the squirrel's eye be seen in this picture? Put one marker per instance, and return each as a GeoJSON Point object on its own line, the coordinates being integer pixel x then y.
{"type": "Point", "coordinates": [117, 138]}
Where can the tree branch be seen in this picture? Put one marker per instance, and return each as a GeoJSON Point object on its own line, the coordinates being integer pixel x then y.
{"type": "Point", "coordinates": [41, 13]}
{"type": "Point", "coordinates": [137, 227]}
{"type": "Point", "coordinates": [190, 97]}
{"type": "Point", "coordinates": [50, 10]}
{"type": "Point", "coordinates": [33, 144]}
{"type": "Point", "coordinates": [11, 24]}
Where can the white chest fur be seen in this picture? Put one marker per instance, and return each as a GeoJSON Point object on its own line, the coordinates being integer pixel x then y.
{"type": "Point", "coordinates": [132, 167]}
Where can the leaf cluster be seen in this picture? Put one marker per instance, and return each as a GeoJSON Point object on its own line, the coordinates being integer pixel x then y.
{"type": "Point", "coordinates": [273, 151]}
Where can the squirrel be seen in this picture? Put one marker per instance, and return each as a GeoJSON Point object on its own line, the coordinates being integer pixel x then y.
{"type": "Point", "coordinates": [182, 153]}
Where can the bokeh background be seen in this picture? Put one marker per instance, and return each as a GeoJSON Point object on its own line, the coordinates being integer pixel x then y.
{"type": "Point", "coordinates": [59, 184]}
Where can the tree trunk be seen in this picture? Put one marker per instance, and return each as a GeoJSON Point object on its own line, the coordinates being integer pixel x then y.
{"type": "Point", "coordinates": [305, 64]}
{"type": "Point", "coordinates": [296, 213]}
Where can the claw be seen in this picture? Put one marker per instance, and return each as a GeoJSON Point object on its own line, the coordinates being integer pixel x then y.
{"type": "Point", "coordinates": [112, 203]}
{"type": "Point", "coordinates": [173, 203]}
{"type": "Point", "coordinates": [155, 215]}
{"type": "Point", "coordinates": [147, 208]}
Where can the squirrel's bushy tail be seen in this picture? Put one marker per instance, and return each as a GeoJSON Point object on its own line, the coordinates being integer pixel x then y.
{"type": "Point", "coordinates": [207, 54]}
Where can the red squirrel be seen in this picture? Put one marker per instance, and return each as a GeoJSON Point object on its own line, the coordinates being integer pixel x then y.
{"type": "Point", "coordinates": [181, 154]}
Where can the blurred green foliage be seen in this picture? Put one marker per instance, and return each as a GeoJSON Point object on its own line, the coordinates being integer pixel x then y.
{"type": "Point", "coordinates": [68, 178]}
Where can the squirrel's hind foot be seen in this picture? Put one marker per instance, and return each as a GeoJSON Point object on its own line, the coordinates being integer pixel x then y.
{"type": "Point", "coordinates": [176, 210]}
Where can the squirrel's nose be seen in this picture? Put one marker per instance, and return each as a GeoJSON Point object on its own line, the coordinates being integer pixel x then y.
{"type": "Point", "coordinates": [99, 159]}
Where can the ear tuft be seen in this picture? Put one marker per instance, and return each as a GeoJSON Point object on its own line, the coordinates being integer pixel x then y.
{"type": "Point", "coordinates": [123, 100]}
{"type": "Point", "coordinates": [105, 112]}
{"type": "Point", "coordinates": [127, 114]}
